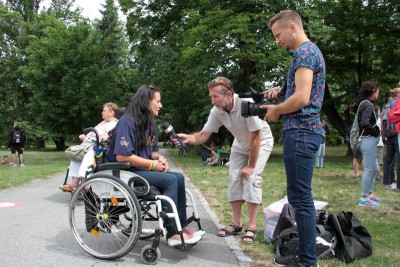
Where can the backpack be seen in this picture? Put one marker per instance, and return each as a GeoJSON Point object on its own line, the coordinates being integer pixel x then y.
{"type": "Point", "coordinates": [286, 240]}
{"type": "Point", "coordinates": [388, 128]}
{"type": "Point", "coordinates": [17, 137]}
{"type": "Point", "coordinates": [355, 136]}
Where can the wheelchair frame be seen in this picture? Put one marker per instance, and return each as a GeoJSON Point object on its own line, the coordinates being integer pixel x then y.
{"type": "Point", "coordinates": [117, 210]}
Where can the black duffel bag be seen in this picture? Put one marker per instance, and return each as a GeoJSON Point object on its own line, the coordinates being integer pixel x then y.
{"type": "Point", "coordinates": [354, 240]}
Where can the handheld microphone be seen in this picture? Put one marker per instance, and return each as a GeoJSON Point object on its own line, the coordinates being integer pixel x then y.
{"type": "Point", "coordinates": [168, 129]}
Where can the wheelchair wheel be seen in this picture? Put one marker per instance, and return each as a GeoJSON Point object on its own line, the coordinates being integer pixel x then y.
{"type": "Point", "coordinates": [150, 255]}
{"type": "Point", "coordinates": [99, 222]}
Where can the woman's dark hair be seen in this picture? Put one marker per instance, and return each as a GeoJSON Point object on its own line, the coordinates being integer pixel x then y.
{"type": "Point", "coordinates": [140, 111]}
{"type": "Point", "coordinates": [366, 90]}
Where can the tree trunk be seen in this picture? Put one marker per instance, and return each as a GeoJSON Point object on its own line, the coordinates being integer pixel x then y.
{"type": "Point", "coordinates": [40, 143]}
{"type": "Point", "coordinates": [60, 143]}
{"type": "Point", "coordinates": [340, 124]}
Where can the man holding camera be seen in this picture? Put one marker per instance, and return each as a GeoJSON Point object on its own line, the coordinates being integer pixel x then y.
{"type": "Point", "coordinates": [249, 153]}
{"type": "Point", "coordinates": [302, 129]}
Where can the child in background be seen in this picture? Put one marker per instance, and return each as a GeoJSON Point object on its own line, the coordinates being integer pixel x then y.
{"type": "Point", "coordinates": [5, 161]}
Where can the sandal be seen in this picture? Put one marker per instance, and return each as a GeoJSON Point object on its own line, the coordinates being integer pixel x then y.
{"type": "Point", "coordinates": [253, 238]}
{"type": "Point", "coordinates": [237, 229]}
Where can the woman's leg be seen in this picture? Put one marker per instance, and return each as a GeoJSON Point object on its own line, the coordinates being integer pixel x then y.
{"type": "Point", "coordinates": [322, 156]}
{"type": "Point", "coordinates": [317, 157]}
{"type": "Point", "coordinates": [166, 183]}
{"type": "Point", "coordinates": [171, 184]}
{"type": "Point", "coordinates": [369, 151]}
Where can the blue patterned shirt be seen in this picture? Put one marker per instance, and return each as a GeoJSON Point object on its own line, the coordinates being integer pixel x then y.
{"type": "Point", "coordinates": [307, 55]}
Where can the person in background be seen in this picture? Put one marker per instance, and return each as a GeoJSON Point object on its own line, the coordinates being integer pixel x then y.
{"type": "Point", "coordinates": [320, 155]}
{"type": "Point", "coordinates": [356, 162]}
{"type": "Point", "coordinates": [214, 160]}
{"type": "Point", "coordinates": [16, 143]}
{"type": "Point", "coordinates": [5, 161]}
{"type": "Point", "coordinates": [77, 168]}
{"type": "Point", "coordinates": [379, 147]}
{"type": "Point", "coordinates": [394, 117]}
{"type": "Point", "coordinates": [389, 136]}
{"type": "Point", "coordinates": [206, 151]}
{"type": "Point", "coordinates": [369, 132]}
{"type": "Point", "coordinates": [302, 129]}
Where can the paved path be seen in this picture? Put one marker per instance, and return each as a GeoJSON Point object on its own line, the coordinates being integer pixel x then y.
{"type": "Point", "coordinates": [36, 232]}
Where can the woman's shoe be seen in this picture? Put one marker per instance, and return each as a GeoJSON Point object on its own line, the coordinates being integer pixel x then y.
{"type": "Point", "coordinates": [67, 188]}
{"type": "Point", "coordinates": [199, 233]}
{"type": "Point", "coordinates": [177, 242]}
{"type": "Point", "coordinates": [191, 231]}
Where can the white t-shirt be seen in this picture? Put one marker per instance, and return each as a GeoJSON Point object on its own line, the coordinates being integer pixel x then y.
{"type": "Point", "coordinates": [102, 128]}
{"type": "Point", "coordinates": [239, 126]}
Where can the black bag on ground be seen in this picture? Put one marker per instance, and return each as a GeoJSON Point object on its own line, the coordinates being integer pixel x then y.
{"type": "Point", "coordinates": [354, 240]}
{"type": "Point", "coordinates": [285, 237]}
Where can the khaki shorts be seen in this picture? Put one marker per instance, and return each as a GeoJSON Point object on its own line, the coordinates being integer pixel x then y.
{"type": "Point", "coordinates": [249, 190]}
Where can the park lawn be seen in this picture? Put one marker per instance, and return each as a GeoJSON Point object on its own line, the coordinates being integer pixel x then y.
{"type": "Point", "coordinates": [334, 184]}
{"type": "Point", "coordinates": [39, 164]}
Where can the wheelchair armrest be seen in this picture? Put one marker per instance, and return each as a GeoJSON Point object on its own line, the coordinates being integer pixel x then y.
{"type": "Point", "coordinates": [113, 166]}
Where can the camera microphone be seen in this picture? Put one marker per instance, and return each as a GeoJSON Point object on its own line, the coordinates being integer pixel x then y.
{"type": "Point", "coordinates": [168, 129]}
{"type": "Point", "coordinates": [257, 96]}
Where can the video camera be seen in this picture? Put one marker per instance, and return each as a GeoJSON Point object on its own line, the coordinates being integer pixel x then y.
{"type": "Point", "coordinates": [253, 108]}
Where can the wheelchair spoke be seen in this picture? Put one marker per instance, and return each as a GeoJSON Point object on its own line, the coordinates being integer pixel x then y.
{"type": "Point", "coordinates": [100, 223]}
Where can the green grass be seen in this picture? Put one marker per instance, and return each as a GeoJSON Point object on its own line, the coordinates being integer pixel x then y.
{"type": "Point", "coordinates": [39, 165]}
{"type": "Point", "coordinates": [333, 184]}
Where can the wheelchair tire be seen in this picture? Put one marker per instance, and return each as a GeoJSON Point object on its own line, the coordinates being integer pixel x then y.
{"type": "Point", "coordinates": [99, 222]}
{"type": "Point", "coordinates": [150, 256]}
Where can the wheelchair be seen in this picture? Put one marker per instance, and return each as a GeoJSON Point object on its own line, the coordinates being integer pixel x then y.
{"type": "Point", "coordinates": [113, 208]}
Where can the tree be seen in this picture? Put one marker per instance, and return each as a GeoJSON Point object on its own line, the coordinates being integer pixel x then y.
{"type": "Point", "coordinates": [63, 76]}
{"type": "Point", "coordinates": [28, 9]}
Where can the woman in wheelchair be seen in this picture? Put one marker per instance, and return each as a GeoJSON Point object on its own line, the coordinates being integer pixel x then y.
{"type": "Point", "coordinates": [77, 168]}
{"type": "Point", "coordinates": [135, 140]}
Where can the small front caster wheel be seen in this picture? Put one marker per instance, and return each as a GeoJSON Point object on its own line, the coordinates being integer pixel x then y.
{"type": "Point", "coordinates": [150, 255]}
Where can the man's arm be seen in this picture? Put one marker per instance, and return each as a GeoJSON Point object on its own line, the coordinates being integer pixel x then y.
{"type": "Point", "coordinates": [300, 98]}
{"type": "Point", "coordinates": [255, 139]}
{"type": "Point", "coordinates": [195, 138]}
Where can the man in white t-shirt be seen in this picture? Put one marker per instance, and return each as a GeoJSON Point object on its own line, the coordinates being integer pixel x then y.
{"type": "Point", "coordinates": [249, 153]}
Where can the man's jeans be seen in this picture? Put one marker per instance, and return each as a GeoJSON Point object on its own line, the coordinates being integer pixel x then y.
{"type": "Point", "coordinates": [299, 148]}
{"type": "Point", "coordinates": [392, 148]}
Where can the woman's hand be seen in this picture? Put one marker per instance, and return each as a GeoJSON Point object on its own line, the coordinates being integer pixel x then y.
{"type": "Point", "coordinates": [81, 137]}
{"type": "Point", "coordinates": [161, 166]}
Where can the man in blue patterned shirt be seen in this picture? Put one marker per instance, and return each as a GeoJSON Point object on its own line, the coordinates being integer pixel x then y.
{"type": "Point", "coordinates": [302, 129]}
